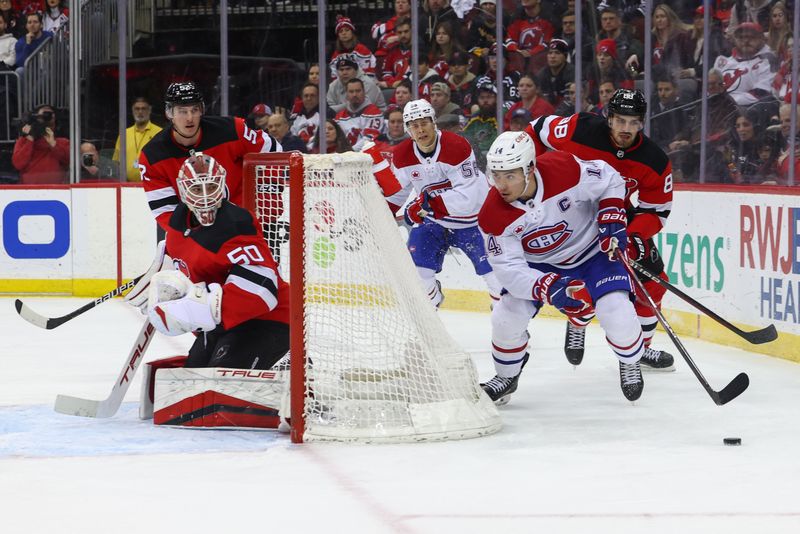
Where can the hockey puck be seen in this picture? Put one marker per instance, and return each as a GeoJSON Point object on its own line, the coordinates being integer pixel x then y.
{"type": "Point", "coordinates": [732, 441]}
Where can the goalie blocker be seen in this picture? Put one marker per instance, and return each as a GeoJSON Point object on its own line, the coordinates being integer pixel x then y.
{"type": "Point", "coordinates": [214, 397]}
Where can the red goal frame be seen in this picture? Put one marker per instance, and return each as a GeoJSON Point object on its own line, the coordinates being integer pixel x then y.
{"type": "Point", "coordinates": [294, 161]}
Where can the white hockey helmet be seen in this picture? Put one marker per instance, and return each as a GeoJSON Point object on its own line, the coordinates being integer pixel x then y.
{"type": "Point", "coordinates": [418, 109]}
{"type": "Point", "coordinates": [201, 184]}
{"type": "Point", "coordinates": [509, 151]}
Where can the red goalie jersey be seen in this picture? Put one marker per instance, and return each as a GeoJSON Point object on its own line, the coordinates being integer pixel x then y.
{"type": "Point", "coordinates": [644, 166]}
{"type": "Point", "coordinates": [233, 253]}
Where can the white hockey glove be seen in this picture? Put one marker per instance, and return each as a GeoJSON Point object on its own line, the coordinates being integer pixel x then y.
{"type": "Point", "coordinates": [138, 295]}
{"type": "Point", "coordinates": [177, 306]}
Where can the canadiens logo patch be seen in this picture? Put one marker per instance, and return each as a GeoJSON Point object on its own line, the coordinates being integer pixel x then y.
{"type": "Point", "coordinates": [546, 238]}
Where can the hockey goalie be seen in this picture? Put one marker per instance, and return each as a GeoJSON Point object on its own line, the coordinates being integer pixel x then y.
{"type": "Point", "coordinates": [222, 286]}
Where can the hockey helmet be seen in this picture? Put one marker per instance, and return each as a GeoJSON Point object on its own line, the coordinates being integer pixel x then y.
{"type": "Point", "coordinates": [509, 151]}
{"type": "Point", "coordinates": [627, 102]}
{"type": "Point", "coordinates": [418, 109]}
{"type": "Point", "coordinates": [201, 184]}
{"type": "Point", "coordinates": [181, 94]}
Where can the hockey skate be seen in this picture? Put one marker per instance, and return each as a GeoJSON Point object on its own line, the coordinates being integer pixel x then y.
{"type": "Point", "coordinates": [500, 388]}
{"type": "Point", "coordinates": [574, 343]}
{"type": "Point", "coordinates": [657, 360]}
{"type": "Point", "coordinates": [630, 380]}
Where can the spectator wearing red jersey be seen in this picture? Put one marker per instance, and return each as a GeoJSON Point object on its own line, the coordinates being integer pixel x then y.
{"type": "Point", "coordinates": [530, 99]}
{"type": "Point", "coordinates": [360, 120]}
{"type": "Point", "coordinates": [398, 59]}
{"type": "Point", "coordinates": [347, 44]}
{"type": "Point", "coordinates": [384, 33]}
{"type": "Point", "coordinates": [527, 36]}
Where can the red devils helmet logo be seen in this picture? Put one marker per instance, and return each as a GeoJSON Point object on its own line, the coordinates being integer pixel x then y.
{"type": "Point", "coordinates": [546, 239]}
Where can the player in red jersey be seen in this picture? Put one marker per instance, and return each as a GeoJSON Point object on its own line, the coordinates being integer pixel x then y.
{"type": "Point", "coordinates": [226, 139]}
{"type": "Point", "coordinates": [225, 286]}
{"type": "Point", "coordinates": [646, 169]}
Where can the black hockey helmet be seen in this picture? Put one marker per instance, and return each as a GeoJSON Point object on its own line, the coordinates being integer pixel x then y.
{"type": "Point", "coordinates": [627, 102]}
{"type": "Point", "coordinates": [182, 93]}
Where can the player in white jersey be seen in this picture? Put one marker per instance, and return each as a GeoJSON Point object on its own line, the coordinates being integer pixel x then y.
{"type": "Point", "coordinates": [450, 190]}
{"type": "Point", "coordinates": [553, 225]}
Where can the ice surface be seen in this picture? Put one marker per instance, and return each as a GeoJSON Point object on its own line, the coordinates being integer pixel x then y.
{"type": "Point", "coordinates": [574, 456]}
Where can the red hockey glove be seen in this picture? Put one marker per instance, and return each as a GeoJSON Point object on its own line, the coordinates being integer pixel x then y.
{"type": "Point", "coordinates": [637, 248]}
{"type": "Point", "coordinates": [417, 210]}
{"type": "Point", "coordinates": [612, 222]}
{"type": "Point", "coordinates": [567, 294]}
{"type": "Point", "coordinates": [437, 207]}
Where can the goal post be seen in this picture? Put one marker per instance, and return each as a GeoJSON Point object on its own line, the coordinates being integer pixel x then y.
{"type": "Point", "coordinates": [371, 360]}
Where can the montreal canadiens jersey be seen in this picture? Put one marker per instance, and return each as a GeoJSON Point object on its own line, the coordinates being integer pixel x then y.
{"type": "Point", "coordinates": [558, 226]}
{"type": "Point", "coordinates": [227, 139]}
{"type": "Point", "coordinates": [450, 173]}
{"type": "Point", "coordinates": [233, 253]}
{"type": "Point", "coordinates": [644, 166]}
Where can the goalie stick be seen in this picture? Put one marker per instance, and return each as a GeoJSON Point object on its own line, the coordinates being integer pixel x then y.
{"type": "Point", "coordinates": [735, 388]}
{"type": "Point", "coordinates": [756, 337]}
{"type": "Point", "coordinates": [49, 323]}
{"type": "Point", "coordinates": [107, 407]}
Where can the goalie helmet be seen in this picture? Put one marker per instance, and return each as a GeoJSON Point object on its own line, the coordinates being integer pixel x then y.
{"type": "Point", "coordinates": [201, 184]}
{"type": "Point", "coordinates": [418, 109]}
{"type": "Point", "coordinates": [627, 102]}
{"type": "Point", "coordinates": [509, 151]}
{"type": "Point", "coordinates": [182, 94]}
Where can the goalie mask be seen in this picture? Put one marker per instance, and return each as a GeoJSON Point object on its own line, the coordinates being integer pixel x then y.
{"type": "Point", "coordinates": [511, 150]}
{"type": "Point", "coordinates": [201, 184]}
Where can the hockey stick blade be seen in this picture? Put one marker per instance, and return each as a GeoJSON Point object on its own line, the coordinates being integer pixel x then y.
{"type": "Point", "coordinates": [107, 407]}
{"type": "Point", "coordinates": [756, 337]}
{"type": "Point", "coordinates": [48, 323]}
{"type": "Point", "coordinates": [737, 386]}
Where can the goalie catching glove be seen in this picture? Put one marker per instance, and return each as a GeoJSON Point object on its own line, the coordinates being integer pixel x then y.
{"type": "Point", "coordinates": [138, 295]}
{"type": "Point", "coordinates": [567, 294]}
{"type": "Point", "coordinates": [177, 306]}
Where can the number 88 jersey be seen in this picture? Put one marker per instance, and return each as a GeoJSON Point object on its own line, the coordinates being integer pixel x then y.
{"type": "Point", "coordinates": [644, 165]}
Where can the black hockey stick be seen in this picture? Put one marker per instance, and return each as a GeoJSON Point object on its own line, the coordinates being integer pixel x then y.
{"type": "Point", "coordinates": [729, 392]}
{"type": "Point", "coordinates": [765, 335]}
{"type": "Point", "coordinates": [52, 322]}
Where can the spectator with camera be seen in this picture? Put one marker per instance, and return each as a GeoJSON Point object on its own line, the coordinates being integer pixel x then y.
{"type": "Point", "coordinates": [40, 156]}
{"type": "Point", "coordinates": [94, 167]}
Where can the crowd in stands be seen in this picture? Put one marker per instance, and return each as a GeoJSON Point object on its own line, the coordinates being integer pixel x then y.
{"type": "Point", "coordinates": [749, 45]}
{"type": "Point", "coordinates": [369, 79]}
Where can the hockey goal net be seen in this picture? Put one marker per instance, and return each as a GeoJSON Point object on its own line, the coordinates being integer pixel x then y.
{"type": "Point", "coordinates": [371, 360]}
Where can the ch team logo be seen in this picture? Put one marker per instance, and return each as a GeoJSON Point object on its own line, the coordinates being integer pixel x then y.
{"type": "Point", "coordinates": [546, 239]}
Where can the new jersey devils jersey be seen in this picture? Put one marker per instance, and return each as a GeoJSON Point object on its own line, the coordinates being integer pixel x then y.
{"type": "Point", "coordinates": [233, 253]}
{"type": "Point", "coordinates": [227, 139]}
{"type": "Point", "coordinates": [450, 173]}
{"type": "Point", "coordinates": [644, 166]}
{"type": "Point", "coordinates": [557, 226]}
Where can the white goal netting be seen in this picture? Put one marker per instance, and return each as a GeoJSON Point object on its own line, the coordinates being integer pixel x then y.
{"type": "Point", "coordinates": [380, 365]}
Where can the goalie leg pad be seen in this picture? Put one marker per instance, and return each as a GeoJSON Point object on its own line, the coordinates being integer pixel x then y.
{"type": "Point", "coordinates": [220, 397]}
{"type": "Point", "coordinates": [147, 394]}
